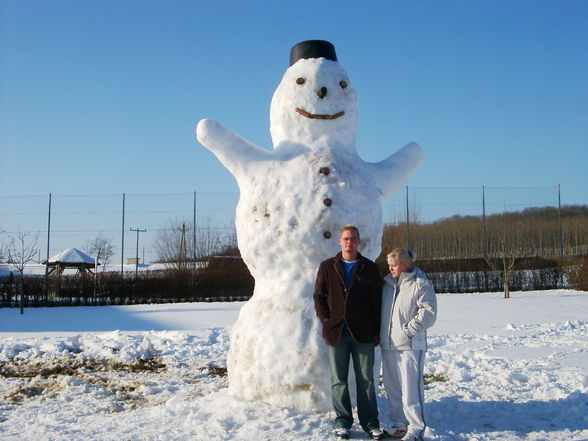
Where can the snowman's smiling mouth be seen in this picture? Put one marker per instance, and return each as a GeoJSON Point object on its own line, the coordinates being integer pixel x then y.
{"type": "Point", "coordinates": [316, 116]}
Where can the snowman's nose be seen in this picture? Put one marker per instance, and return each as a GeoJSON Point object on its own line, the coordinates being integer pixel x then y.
{"type": "Point", "coordinates": [322, 93]}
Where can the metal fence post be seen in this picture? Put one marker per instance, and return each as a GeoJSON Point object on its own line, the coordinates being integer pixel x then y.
{"type": "Point", "coordinates": [122, 247]}
{"type": "Point", "coordinates": [194, 241]}
{"type": "Point", "coordinates": [561, 245]}
{"type": "Point", "coordinates": [46, 287]}
{"type": "Point", "coordinates": [485, 232]}
{"type": "Point", "coordinates": [407, 222]}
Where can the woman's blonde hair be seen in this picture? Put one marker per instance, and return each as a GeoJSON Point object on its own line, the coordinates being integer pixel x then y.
{"type": "Point", "coordinates": [401, 255]}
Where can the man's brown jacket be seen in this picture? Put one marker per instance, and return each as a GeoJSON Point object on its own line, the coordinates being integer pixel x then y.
{"type": "Point", "coordinates": [359, 308]}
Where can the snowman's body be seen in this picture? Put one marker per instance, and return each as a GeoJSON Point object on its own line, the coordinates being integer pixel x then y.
{"type": "Point", "coordinates": [293, 202]}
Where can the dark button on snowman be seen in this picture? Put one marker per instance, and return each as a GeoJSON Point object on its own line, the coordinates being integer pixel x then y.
{"type": "Point", "coordinates": [288, 220]}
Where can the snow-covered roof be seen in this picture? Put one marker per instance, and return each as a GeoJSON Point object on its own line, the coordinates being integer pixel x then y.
{"type": "Point", "coordinates": [71, 256]}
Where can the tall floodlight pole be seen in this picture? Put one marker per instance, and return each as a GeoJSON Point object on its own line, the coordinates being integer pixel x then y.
{"type": "Point", "coordinates": [48, 241]}
{"type": "Point", "coordinates": [561, 247]}
{"type": "Point", "coordinates": [137, 254]}
{"type": "Point", "coordinates": [194, 242]}
{"type": "Point", "coordinates": [122, 247]}
{"type": "Point", "coordinates": [95, 274]}
{"type": "Point", "coordinates": [485, 232]}
{"type": "Point", "coordinates": [407, 222]}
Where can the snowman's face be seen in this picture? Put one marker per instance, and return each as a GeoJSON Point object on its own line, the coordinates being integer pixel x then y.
{"type": "Point", "coordinates": [315, 99]}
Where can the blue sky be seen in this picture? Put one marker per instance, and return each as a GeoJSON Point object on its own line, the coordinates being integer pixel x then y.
{"type": "Point", "coordinates": [101, 97]}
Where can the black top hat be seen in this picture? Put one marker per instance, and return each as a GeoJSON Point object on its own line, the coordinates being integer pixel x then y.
{"type": "Point", "coordinates": [312, 49]}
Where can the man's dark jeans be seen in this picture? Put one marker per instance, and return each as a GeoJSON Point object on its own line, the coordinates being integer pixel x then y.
{"type": "Point", "coordinates": [363, 365]}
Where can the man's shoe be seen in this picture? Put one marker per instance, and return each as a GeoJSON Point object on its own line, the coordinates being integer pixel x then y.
{"type": "Point", "coordinates": [377, 433]}
{"type": "Point", "coordinates": [342, 433]}
{"type": "Point", "coordinates": [397, 432]}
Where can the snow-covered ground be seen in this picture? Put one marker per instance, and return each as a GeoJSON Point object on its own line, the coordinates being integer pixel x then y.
{"type": "Point", "coordinates": [501, 369]}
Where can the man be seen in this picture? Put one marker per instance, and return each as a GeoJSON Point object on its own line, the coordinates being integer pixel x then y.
{"type": "Point", "coordinates": [347, 299]}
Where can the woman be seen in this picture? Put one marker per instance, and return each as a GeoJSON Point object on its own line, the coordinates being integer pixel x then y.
{"type": "Point", "coordinates": [409, 308]}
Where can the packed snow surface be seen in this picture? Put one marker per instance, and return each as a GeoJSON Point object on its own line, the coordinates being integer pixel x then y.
{"type": "Point", "coordinates": [499, 369]}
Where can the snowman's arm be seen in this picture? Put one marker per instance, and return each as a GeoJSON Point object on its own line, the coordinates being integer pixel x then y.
{"type": "Point", "coordinates": [394, 171]}
{"type": "Point", "coordinates": [232, 150]}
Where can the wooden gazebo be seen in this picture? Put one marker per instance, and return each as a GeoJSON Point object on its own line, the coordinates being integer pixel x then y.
{"type": "Point", "coordinates": [71, 258]}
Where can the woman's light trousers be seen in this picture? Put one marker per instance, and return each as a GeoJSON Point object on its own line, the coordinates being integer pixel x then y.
{"type": "Point", "coordinates": [403, 381]}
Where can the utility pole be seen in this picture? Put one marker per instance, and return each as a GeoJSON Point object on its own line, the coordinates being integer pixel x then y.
{"type": "Point", "coordinates": [137, 230]}
{"type": "Point", "coordinates": [183, 253]}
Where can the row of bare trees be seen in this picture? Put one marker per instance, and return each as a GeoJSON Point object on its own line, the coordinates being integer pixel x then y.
{"type": "Point", "coordinates": [534, 232]}
{"type": "Point", "coordinates": [179, 246]}
{"type": "Point", "coordinates": [501, 240]}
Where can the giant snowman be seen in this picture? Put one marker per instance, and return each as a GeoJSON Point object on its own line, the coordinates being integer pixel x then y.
{"type": "Point", "coordinates": [293, 202]}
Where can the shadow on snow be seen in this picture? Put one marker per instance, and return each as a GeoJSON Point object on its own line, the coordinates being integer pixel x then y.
{"type": "Point", "coordinates": [451, 415]}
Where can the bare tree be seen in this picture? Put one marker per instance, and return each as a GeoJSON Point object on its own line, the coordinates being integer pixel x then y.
{"type": "Point", "coordinates": [213, 240]}
{"type": "Point", "coordinates": [174, 244]}
{"type": "Point", "coordinates": [101, 248]}
{"type": "Point", "coordinates": [504, 257]}
{"type": "Point", "coordinates": [2, 247]}
{"type": "Point", "coordinates": [21, 251]}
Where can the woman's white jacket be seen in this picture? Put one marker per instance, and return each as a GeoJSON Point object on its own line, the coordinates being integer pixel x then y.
{"type": "Point", "coordinates": [409, 308]}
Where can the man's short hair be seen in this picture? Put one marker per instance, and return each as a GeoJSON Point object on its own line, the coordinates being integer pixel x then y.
{"type": "Point", "coordinates": [349, 227]}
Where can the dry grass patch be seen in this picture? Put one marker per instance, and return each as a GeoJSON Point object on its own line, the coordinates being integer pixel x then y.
{"type": "Point", "coordinates": [46, 378]}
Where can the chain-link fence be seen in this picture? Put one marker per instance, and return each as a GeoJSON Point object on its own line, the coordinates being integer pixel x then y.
{"type": "Point", "coordinates": [454, 231]}
{"type": "Point", "coordinates": [73, 221]}
{"type": "Point", "coordinates": [135, 223]}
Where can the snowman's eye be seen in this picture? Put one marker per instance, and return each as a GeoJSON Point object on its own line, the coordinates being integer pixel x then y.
{"type": "Point", "coordinates": [343, 84]}
{"type": "Point", "coordinates": [300, 80]}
